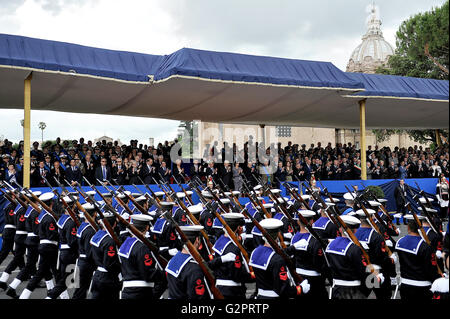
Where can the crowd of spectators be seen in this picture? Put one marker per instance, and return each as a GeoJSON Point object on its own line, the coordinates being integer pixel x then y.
{"type": "Point", "coordinates": [129, 164]}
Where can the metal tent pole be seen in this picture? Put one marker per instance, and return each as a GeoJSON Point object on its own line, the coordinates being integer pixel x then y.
{"type": "Point", "coordinates": [362, 132]}
{"type": "Point", "coordinates": [26, 131]}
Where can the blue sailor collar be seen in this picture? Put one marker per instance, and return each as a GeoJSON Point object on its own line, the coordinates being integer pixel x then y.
{"type": "Point", "coordinates": [217, 223]}
{"type": "Point", "coordinates": [364, 234]}
{"type": "Point", "coordinates": [30, 209]}
{"type": "Point", "coordinates": [256, 231]}
{"type": "Point", "coordinates": [221, 244]}
{"type": "Point", "coordinates": [427, 229]}
{"type": "Point", "coordinates": [127, 246]}
{"type": "Point", "coordinates": [339, 246]}
{"type": "Point", "coordinates": [321, 223]}
{"type": "Point", "coordinates": [299, 236]}
{"type": "Point", "coordinates": [252, 211]}
{"type": "Point", "coordinates": [409, 244]}
{"type": "Point", "coordinates": [98, 237]}
{"type": "Point", "coordinates": [18, 207]}
{"type": "Point", "coordinates": [261, 257]}
{"type": "Point", "coordinates": [347, 210]}
{"type": "Point", "coordinates": [43, 214]}
{"type": "Point", "coordinates": [62, 221]}
{"type": "Point", "coordinates": [159, 225]}
{"type": "Point", "coordinates": [82, 228]}
{"type": "Point", "coordinates": [177, 263]}
{"type": "Point", "coordinates": [279, 216]}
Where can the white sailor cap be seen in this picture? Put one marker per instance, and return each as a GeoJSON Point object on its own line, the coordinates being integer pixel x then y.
{"type": "Point", "coordinates": [189, 193]}
{"type": "Point", "coordinates": [411, 217]}
{"type": "Point", "coordinates": [382, 200]}
{"type": "Point", "coordinates": [349, 196]}
{"type": "Point", "coordinates": [276, 190]}
{"type": "Point", "coordinates": [159, 194]}
{"type": "Point", "coordinates": [35, 193]}
{"type": "Point", "coordinates": [191, 229]}
{"type": "Point", "coordinates": [140, 199]}
{"type": "Point", "coordinates": [195, 209]}
{"type": "Point", "coordinates": [374, 203]}
{"type": "Point", "coordinates": [423, 200]}
{"type": "Point", "coordinates": [267, 205]}
{"type": "Point", "coordinates": [431, 210]}
{"type": "Point", "coordinates": [257, 187]}
{"type": "Point", "coordinates": [108, 215]}
{"type": "Point", "coordinates": [139, 219]}
{"type": "Point", "coordinates": [360, 212]}
{"type": "Point", "coordinates": [440, 285]}
{"type": "Point", "coordinates": [47, 196]}
{"type": "Point", "coordinates": [181, 194]}
{"type": "Point", "coordinates": [88, 206]}
{"type": "Point", "coordinates": [351, 221]}
{"type": "Point", "coordinates": [233, 216]}
{"type": "Point", "coordinates": [235, 193]}
{"type": "Point", "coordinates": [271, 223]}
{"type": "Point", "coordinates": [166, 204]}
{"type": "Point", "coordinates": [227, 193]}
{"type": "Point", "coordinates": [225, 200]}
{"type": "Point", "coordinates": [306, 213]}
{"type": "Point", "coordinates": [67, 199]}
{"type": "Point", "coordinates": [335, 200]}
{"type": "Point", "coordinates": [207, 194]}
{"type": "Point", "coordinates": [123, 195]}
{"type": "Point", "coordinates": [107, 194]}
{"type": "Point", "coordinates": [305, 197]}
{"type": "Point", "coordinates": [91, 193]}
{"type": "Point", "coordinates": [135, 194]}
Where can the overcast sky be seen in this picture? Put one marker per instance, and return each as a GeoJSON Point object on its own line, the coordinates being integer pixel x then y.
{"type": "Point", "coordinates": [323, 30]}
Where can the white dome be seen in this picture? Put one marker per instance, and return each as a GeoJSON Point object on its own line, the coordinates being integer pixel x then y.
{"type": "Point", "coordinates": [374, 50]}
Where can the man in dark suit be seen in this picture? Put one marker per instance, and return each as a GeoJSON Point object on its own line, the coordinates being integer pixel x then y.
{"type": "Point", "coordinates": [38, 174]}
{"type": "Point", "coordinates": [73, 173]}
{"type": "Point", "coordinates": [148, 172]}
{"type": "Point", "coordinates": [400, 193]}
{"type": "Point", "coordinates": [119, 171]}
{"type": "Point", "coordinates": [103, 172]}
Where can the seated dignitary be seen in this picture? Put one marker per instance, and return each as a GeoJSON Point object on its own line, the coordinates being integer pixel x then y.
{"type": "Point", "coordinates": [185, 278]}
{"type": "Point", "coordinates": [229, 266]}
{"type": "Point", "coordinates": [348, 267]}
{"type": "Point", "coordinates": [272, 277]}
{"type": "Point", "coordinates": [140, 268]}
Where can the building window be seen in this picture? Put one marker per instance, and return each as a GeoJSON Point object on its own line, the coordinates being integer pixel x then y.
{"type": "Point", "coordinates": [283, 131]}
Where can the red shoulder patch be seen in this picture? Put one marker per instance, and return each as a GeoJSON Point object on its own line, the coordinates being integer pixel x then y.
{"type": "Point", "coordinates": [199, 288]}
{"type": "Point", "coordinates": [51, 227]}
{"type": "Point", "coordinates": [111, 251]}
{"type": "Point", "coordinates": [148, 261]}
{"type": "Point", "coordinates": [283, 273]}
{"type": "Point", "coordinates": [21, 218]}
{"type": "Point", "coordinates": [73, 232]}
{"type": "Point", "coordinates": [237, 262]}
{"type": "Point", "coordinates": [209, 222]}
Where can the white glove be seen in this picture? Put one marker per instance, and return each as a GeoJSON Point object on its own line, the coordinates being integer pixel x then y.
{"type": "Point", "coordinates": [120, 276]}
{"type": "Point", "coordinates": [173, 251]}
{"type": "Point", "coordinates": [365, 246]}
{"type": "Point", "coordinates": [228, 257]}
{"type": "Point", "coordinates": [394, 281]}
{"type": "Point", "coordinates": [438, 254]}
{"type": "Point", "coordinates": [394, 258]}
{"type": "Point", "coordinates": [389, 243]}
{"type": "Point", "coordinates": [301, 244]}
{"type": "Point", "coordinates": [380, 277]}
{"type": "Point", "coordinates": [287, 235]}
{"type": "Point", "coordinates": [398, 231]}
{"type": "Point", "coordinates": [305, 286]}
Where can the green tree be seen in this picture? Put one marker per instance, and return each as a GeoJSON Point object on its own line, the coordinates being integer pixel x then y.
{"type": "Point", "coordinates": [422, 51]}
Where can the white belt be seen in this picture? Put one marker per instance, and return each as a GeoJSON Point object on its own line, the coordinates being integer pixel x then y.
{"type": "Point", "coordinates": [10, 226]}
{"type": "Point", "coordinates": [306, 272]}
{"type": "Point", "coordinates": [267, 293]}
{"type": "Point", "coordinates": [65, 246]}
{"type": "Point", "coordinates": [248, 236]}
{"type": "Point", "coordinates": [31, 234]}
{"type": "Point", "coordinates": [46, 241]}
{"type": "Point", "coordinates": [349, 283]}
{"type": "Point", "coordinates": [226, 282]}
{"type": "Point", "coordinates": [82, 256]}
{"type": "Point", "coordinates": [101, 269]}
{"type": "Point", "coordinates": [162, 248]}
{"type": "Point", "coordinates": [417, 283]}
{"type": "Point", "coordinates": [21, 232]}
{"type": "Point", "coordinates": [137, 283]}
{"type": "Point", "coordinates": [123, 232]}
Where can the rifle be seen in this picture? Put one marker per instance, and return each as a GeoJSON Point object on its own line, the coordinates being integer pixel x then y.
{"type": "Point", "coordinates": [17, 199]}
{"type": "Point", "coordinates": [130, 198]}
{"type": "Point", "coordinates": [185, 192]}
{"type": "Point", "coordinates": [230, 233]}
{"type": "Point", "coordinates": [369, 219]}
{"type": "Point", "coordinates": [61, 198]}
{"type": "Point", "coordinates": [383, 208]}
{"type": "Point", "coordinates": [168, 197]}
{"type": "Point", "coordinates": [196, 255]}
{"type": "Point", "coordinates": [346, 229]}
{"type": "Point", "coordinates": [8, 197]}
{"type": "Point", "coordinates": [425, 211]}
{"type": "Point", "coordinates": [90, 199]}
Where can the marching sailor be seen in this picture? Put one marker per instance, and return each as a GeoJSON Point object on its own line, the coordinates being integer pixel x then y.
{"type": "Point", "coordinates": [375, 246]}
{"type": "Point", "coordinates": [349, 203]}
{"type": "Point", "coordinates": [140, 268]}
{"type": "Point", "coordinates": [417, 263]}
{"type": "Point", "coordinates": [48, 249]}
{"type": "Point", "coordinates": [9, 229]}
{"type": "Point", "coordinates": [324, 227]}
{"type": "Point", "coordinates": [106, 281]}
{"type": "Point", "coordinates": [309, 258]}
{"type": "Point", "coordinates": [348, 265]}
{"type": "Point", "coordinates": [273, 279]}
{"type": "Point", "coordinates": [442, 191]}
{"type": "Point", "coordinates": [185, 277]}
{"type": "Point", "coordinates": [85, 263]}
{"type": "Point", "coordinates": [228, 264]}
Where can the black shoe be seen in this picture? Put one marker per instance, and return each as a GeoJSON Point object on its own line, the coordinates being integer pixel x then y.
{"type": "Point", "coordinates": [41, 284]}
{"type": "Point", "coordinates": [3, 285]}
{"type": "Point", "coordinates": [398, 222]}
{"type": "Point", "coordinates": [12, 293]}
{"type": "Point", "coordinates": [405, 222]}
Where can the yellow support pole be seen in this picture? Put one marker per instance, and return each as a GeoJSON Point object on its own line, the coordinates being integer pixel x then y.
{"type": "Point", "coordinates": [26, 131]}
{"type": "Point", "coordinates": [362, 132]}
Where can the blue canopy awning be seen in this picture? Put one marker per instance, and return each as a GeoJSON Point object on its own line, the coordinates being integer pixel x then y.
{"type": "Point", "coordinates": [192, 84]}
